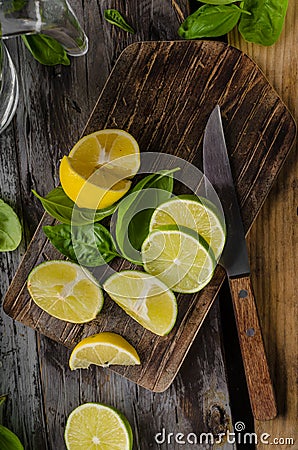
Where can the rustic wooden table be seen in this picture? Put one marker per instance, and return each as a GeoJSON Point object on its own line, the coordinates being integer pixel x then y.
{"type": "Point", "coordinates": [41, 391]}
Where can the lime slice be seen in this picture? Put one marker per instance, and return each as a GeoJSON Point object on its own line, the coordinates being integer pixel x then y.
{"type": "Point", "coordinates": [145, 298]}
{"type": "Point", "coordinates": [66, 291]}
{"type": "Point", "coordinates": [179, 257]}
{"type": "Point", "coordinates": [196, 213]}
{"type": "Point", "coordinates": [103, 349]}
{"type": "Point", "coordinates": [95, 426]}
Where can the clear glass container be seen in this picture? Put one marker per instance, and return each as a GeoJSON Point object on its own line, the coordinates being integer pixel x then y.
{"type": "Point", "coordinates": [9, 88]}
{"type": "Point", "coordinates": [54, 18]}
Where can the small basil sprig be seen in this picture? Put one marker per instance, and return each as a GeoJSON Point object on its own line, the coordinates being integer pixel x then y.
{"type": "Point", "coordinates": [210, 21]}
{"type": "Point", "coordinates": [10, 228]}
{"type": "Point", "coordinates": [115, 17]}
{"type": "Point", "coordinates": [132, 222]}
{"type": "Point", "coordinates": [265, 23]}
{"type": "Point", "coordinates": [259, 21]}
{"type": "Point", "coordinates": [62, 208]}
{"type": "Point", "coordinates": [46, 50]}
{"type": "Point", "coordinates": [90, 245]}
{"type": "Point", "coordinates": [8, 440]}
{"type": "Point", "coordinates": [17, 5]}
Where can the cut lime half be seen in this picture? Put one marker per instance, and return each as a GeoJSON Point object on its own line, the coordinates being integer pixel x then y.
{"type": "Point", "coordinates": [196, 213]}
{"type": "Point", "coordinates": [179, 257]}
{"type": "Point", "coordinates": [95, 426]}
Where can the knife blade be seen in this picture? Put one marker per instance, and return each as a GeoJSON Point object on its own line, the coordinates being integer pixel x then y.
{"type": "Point", "coordinates": [234, 259]}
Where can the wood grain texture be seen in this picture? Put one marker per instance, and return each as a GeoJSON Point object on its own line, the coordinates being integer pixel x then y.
{"type": "Point", "coordinates": [273, 240]}
{"type": "Point", "coordinates": [258, 378]}
{"type": "Point", "coordinates": [54, 105]}
{"type": "Point", "coordinates": [163, 93]}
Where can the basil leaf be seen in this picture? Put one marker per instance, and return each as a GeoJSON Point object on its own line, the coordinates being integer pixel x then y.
{"type": "Point", "coordinates": [17, 5]}
{"type": "Point", "coordinates": [135, 210]}
{"type": "Point", "coordinates": [2, 399]}
{"type": "Point", "coordinates": [265, 23]}
{"type": "Point", "coordinates": [210, 21]}
{"type": "Point", "coordinates": [61, 207]}
{"type": "Point", "coordinates": [10, 228]}
{"type": "Point", "coordinates": [8, 440]}
{"type": "Point", "coordinates": [46, 50]}
{"type": "Point", "coordinates": [115, 17]}
{"type": "Point", "coordinates": [90, 245]}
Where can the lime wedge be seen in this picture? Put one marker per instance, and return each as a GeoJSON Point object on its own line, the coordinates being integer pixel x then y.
{"type": "Point", "coordinates": [145, 298]}
{"type": "Point", "coordinates": [66, 291]}
{"type": "Point", "coordinates": [95, 426]}
{"type": "Point", "coordinates": [179, 257]}
{"type": "Point", "coordinates": [196, 213]}
{"type": "Point", "coordinates": [103, 349]}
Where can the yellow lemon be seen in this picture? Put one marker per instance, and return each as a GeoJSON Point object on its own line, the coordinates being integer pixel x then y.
{"type": "Point", "coordinates": [144, 298]}
{"type": "Point", "coordinates": [94, 174]}
{"type": "Point", "coordinates": [103, 349]}
{"type": "Point", "coordinates": [66, 291]}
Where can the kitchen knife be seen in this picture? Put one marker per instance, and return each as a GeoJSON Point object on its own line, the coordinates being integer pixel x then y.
{"type": "Point", "coordinates": [235, 261]}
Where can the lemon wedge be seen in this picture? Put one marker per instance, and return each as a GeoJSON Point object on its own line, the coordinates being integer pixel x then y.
{"type": "Point", "coordinates": [103, 349]}
{"type": "Point", "coordinates": [145, 298]}
{"type": "Point", "coordinates": [66, 291]}
{"type": "Point", "coordinates": [95, 173]}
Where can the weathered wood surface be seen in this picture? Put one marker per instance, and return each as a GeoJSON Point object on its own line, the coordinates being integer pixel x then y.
{"type": "Point", "coordinates": [273, 241]}
{"type": "Point", "coordinates": [54, 106]}
{"type": "Point", "coordinates": [151, 84]}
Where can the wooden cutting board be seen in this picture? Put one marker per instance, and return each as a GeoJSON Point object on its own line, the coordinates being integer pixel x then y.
{"type": "Point", "coordinates": [163, 93]}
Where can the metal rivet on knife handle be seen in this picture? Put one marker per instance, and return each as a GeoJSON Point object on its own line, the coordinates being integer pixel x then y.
{"type": "Point", "coordinates": [243, 293]}
{"type": "Point", "coordinates": [250, 332]}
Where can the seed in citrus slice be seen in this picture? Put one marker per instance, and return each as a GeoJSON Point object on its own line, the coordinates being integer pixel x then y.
{"type": "Point", "coordinates": [179, 257]}
{"type": "Point", "coordinates": [196, 213]}
{"type": "Point", "coordinates": [66, 291]}
{"type": "Point", "coordinates": [95, 426]}
{"type": "Point", "coordinates": [145, 298]}
{"type": "Point", "coordinates": [103, 349]}
{"type": "Point", "coordinates": [94, 174]}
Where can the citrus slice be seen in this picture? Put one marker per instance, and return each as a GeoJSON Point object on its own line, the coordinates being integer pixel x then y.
{"type": "Point", "coordinates": [66, 291]}
{"type": "Point", "coordinates": [103, 349]}
{"type": "Point", "coordinates": [94, 174]}
{"type": "Point", "coordinates": [145, 298]}
{"type": "Point", "coordinates": [179, 257]}
{"type": "Point", "coordinates": [95, 426]}
{"type": "Point", "coordinates": [196, 213]}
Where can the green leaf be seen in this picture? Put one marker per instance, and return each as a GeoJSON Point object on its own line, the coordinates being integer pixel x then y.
{"type": "Point", "coordinates": [265, 23]}
{"type": "Point", "coordinates": [62, 208]}
{"type": "Point", "coordinates": [46, 50]}
{"type": "Point", "coordinates": [17, 5]}
{"type": "Point", "coordinates": [115, 17]}
{"type": "Point", "coordinates": [210, 21]}
{"type": "Point", "coordinates": [10, 228]}
{"type": "Point", "coordinates": [135, 210]}
{"type": "Point", "coordinates": [2, 399]}
{"type": "Point", "coordinates": [8, 440]}
{"type": "Point", "coordinates": [90, 245]}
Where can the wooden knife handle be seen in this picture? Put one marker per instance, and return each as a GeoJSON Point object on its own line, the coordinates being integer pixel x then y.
{"type": "Point", "coordinates": [252, 348]}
